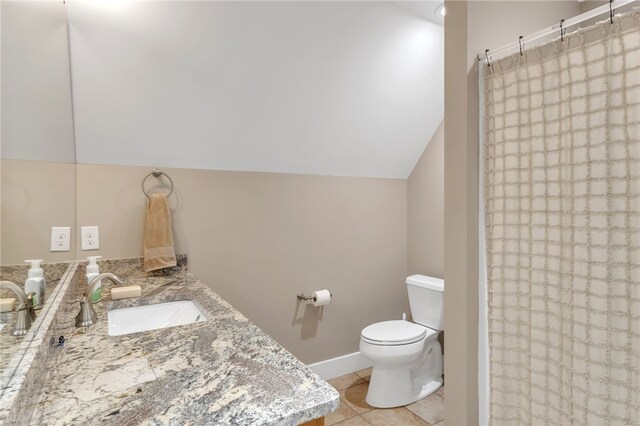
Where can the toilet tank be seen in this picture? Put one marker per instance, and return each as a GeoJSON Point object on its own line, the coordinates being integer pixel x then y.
{"type": "Point", "coordinates": [426, 297]}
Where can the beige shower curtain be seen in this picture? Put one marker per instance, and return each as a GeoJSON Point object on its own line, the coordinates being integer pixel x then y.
{"type": "Point", "coordinates": [562, 208]}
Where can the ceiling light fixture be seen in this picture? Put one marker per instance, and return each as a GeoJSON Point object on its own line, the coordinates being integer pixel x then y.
{"type": "Point", "coordinates": [440, 10]}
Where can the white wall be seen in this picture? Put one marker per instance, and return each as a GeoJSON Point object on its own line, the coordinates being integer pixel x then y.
{"type": "Point", "coordinates": [332, 88]}
{"type": "Point", "coordinates": [37, 122]}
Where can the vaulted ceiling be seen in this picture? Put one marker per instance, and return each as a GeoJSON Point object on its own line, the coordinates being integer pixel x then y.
{"type": "Point", "coordinates": [331, 88]}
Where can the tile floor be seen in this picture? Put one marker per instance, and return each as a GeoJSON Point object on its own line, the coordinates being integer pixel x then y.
{"type": "Point", "coordinates": [354, 411]}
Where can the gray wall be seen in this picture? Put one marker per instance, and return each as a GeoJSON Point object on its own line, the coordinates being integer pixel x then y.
{"type": "Point", "coordinates": [425, 211]}
{"type": "Point", "coordinates": [34, 196]}
{"type": "Point", "coordinates": [260, 238]}
{"type": "Point", "coordinates": [588, 5]}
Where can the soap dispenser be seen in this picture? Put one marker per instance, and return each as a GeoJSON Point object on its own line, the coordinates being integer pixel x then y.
{"type": "Point", "coordinates": [92, 271]}
{"type": "Point", "coordinates": [35, 281]}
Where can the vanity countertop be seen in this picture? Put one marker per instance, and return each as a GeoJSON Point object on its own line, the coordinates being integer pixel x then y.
{"type": "Point", "coordinates": [223, 371]}
{"type": "Point", "coordinates": [11, 345]}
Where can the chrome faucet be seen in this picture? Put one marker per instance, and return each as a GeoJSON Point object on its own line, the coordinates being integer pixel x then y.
{"type": "Point", "coordinates": [26, 313]}
{"type": "Point", "coordinates": [87, 315]}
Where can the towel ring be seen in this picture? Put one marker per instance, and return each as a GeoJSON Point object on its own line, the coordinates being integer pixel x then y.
{"type": "Point", "coordinates": [157, 173]}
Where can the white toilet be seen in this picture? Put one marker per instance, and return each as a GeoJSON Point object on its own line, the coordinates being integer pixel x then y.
{"type": "Point", "coordinates": [406, 356]}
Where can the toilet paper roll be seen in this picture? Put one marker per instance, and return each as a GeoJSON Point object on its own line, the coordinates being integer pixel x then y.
{"type": "Point", "coordinates": [321, 297]}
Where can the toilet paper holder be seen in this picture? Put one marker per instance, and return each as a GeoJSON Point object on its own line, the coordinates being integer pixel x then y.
{"type": "Point", "coordinates": [301, 296]}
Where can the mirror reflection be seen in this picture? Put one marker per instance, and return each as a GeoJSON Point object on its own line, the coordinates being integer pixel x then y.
{"type": "Point", "coordinates": [37, 213]}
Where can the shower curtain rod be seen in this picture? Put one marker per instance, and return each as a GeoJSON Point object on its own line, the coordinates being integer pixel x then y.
{"type": "Point", "coordinates": [489, 55]}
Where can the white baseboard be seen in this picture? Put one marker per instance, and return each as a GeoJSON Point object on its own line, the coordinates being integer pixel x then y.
{"type": "Point", "coordinates": [340, 366]}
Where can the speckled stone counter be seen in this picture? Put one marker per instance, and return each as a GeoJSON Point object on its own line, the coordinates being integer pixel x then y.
{"type": "Point", "coordinates": [10, 345]}
{"type": "Point", "coordinates": [25, 373]}
{"type": "Point", "coordinates": [224, 371]}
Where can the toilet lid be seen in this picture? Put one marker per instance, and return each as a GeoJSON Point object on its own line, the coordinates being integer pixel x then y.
{"type": "Point", "coordinates": [397, 331]}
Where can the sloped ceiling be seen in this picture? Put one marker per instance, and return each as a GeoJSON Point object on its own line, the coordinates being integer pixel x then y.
{"type": "Point", "coordinates": [330, 88]}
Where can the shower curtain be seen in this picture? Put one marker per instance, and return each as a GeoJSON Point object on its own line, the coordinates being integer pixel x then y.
{"type": "Point", "coordinates": [562, 229]}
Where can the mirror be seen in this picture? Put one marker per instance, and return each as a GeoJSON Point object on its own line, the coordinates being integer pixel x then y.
{"type": "Point", "coordinates": [37, 150]}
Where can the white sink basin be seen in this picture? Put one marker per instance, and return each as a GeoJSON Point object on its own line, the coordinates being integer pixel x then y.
{"type": "Point", "coordinates": [152, 317]}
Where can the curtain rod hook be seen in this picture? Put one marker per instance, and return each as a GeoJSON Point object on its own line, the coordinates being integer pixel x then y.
{"type": "Point", "coordinates": [612, 11]}
{"type": "Point", "coordinates": [520, 43]}
{"type": "Point", "coordinates": [488, 58]}
{"type": "Point", "coordinates": [562, 30]}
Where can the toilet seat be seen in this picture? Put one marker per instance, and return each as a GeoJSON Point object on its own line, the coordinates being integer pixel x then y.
{"type": "Point", "coordinates": [395, 333]}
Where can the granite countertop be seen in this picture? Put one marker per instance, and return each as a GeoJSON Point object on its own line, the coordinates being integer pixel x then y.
{"type": "Point", "coordinates": [224, 371]}
{"type": "Point", "coordinates": [10, 345]}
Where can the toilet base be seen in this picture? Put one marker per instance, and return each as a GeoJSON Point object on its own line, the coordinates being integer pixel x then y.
{"type": "Point", "coordinates": [394, 388]}
{"type": "Point", "coordinates": [395, 384]}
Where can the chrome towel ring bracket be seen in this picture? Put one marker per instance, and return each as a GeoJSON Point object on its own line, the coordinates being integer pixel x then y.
{"type": "Point", "coordinates": [157, 173]}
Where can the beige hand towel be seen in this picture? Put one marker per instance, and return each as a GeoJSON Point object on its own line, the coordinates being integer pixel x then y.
{"type": "Point", "coordinates": [158, 239]}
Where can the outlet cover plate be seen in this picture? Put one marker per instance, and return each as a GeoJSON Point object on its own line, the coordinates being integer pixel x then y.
{"type": "Point", "coordinates": [90, 237]}
{"type": "Point", "coordinates": [60, 238]}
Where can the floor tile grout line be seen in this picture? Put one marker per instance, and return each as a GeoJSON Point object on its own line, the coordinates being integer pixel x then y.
{"type": "Point", "coordinates": [365, 420]}
{"type": "Point", "coordinates": [406, 407]}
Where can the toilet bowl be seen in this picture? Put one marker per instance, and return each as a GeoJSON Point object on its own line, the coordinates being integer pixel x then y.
{"type": "Point", "coordinates": [406, 356]}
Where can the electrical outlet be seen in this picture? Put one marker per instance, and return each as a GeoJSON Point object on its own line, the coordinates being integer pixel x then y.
{"type": "Point", "coordinates": [60, 238]}
{"type": "Point", "coordinates": [90, 238]}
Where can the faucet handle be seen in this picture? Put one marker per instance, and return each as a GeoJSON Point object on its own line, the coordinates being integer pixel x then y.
{"type": "Point", "coordinates": [30, 297]}
{"type": "Point", "coordinates": [30, 305]}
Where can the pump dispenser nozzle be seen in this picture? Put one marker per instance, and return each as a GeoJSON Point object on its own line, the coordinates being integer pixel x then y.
{"type": "Point", "coordinates": [35, 282]}
{"type": "Point", "coordinates": [93, 262]}
{"type": "Point", "coordinates": [36, 269]}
